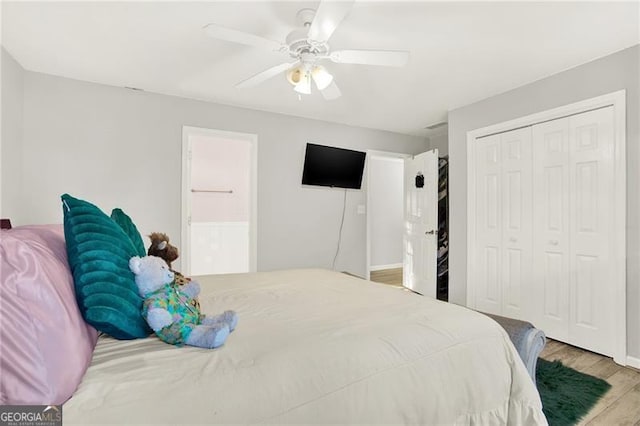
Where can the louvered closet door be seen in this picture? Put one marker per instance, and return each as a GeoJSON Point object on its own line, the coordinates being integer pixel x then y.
{"type": "Point", "coordinates": [504, 222]}
{"type": "Point", "coordinates": [550, 301]}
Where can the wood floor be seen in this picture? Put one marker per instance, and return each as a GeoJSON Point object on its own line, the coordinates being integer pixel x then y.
{"type": "Point", "coordinates": [388, 276]}
{"type": "Point", "coordinates": [619, 406]}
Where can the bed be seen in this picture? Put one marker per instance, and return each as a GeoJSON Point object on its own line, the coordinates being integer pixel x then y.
{"type": "Point", "coordinates": [315, 346]}
{"type": "Point", "coordinates": [312, 347]}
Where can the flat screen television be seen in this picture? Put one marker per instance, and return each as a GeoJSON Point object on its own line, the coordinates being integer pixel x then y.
{"type": "Point", "coordinates": [334, 167]}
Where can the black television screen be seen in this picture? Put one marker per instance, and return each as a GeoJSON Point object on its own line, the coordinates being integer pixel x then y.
{"type": "Point", "coordinates": [335, 167]}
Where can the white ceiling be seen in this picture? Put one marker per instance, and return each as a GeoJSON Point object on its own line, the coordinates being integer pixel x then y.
{"type": "Point", "coordinates": [460, 52]}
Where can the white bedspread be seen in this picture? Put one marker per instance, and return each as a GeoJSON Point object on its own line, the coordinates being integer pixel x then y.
{"type": "Point", "coordinates": [315, 346]}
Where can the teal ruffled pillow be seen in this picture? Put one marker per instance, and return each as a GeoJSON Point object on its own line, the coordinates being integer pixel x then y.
{"type": "Point", "coordinates": [99, 251]}
{"type": "Point", "coordinates": [129, 228]}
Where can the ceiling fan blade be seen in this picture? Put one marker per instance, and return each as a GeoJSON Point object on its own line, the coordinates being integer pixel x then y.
{"type": "Point", "coordinates": [264, 75]}
{"type": "Point", "coordinates": [222, 33]}
{"type": "Point", "coordinates": [387, 58]}
{"type": "Point", "coordinates": [331, 92]}
{"type": "Point", "coordinates": [327, 18]}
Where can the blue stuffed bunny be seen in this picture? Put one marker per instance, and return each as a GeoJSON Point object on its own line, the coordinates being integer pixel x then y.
{"type": "Point", "coordinates": [168, 311]}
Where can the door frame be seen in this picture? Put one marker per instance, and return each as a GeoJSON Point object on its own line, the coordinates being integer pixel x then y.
{"type": "Point", "coordinates": [618, 101]}
{"type": "Point", "coordinates": [186, 189]}
{"type": "Point", "coordinates": [376, 154]}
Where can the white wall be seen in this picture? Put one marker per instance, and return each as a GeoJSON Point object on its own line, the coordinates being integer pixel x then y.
{"type": "Point", "coordinates": [12, 87]}
{"type": "Point", "coordinates": [618, 71]}
{"type": "Point", "coordinates": [106, 144]}
{"type": "Point", "coordinates": [386, 192]}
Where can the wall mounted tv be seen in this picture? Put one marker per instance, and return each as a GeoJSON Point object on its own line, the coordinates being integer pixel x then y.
{"type": "Point", "coordinates": [334, 167]}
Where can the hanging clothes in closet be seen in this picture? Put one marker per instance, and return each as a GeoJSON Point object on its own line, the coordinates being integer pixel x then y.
{"type": "Point", "coordinates": [443, 229]}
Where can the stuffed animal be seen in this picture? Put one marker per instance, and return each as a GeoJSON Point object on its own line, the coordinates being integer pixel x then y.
{"type": "Point", "coordinates": [161, 247]}
{"type": "Point", "coordinates": [167, 309]}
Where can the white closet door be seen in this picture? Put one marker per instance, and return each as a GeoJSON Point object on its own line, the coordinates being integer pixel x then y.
{"type": "Point", "coordinates": [574, 223]}
{"type": "Point", "coordinates": [545, 229]}
{"type": "Point", "coordinates": [488, 290]}
{"type": "Point", "coordinates": [591, 227]}
{"type": "Point", "coordinates": [503, 182]}
{"type": "Point", "coordinates": [550, 300]}
{"type": "Point", "coordinates": [516, 222]}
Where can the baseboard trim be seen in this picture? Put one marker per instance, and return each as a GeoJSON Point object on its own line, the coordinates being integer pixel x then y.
{"type": "Point", "coordinates": [383, 267]}
{"type": "Point", "coordinates": [633, 362]}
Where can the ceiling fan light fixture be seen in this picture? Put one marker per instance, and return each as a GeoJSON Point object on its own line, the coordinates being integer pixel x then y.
{"type": "Point", "coordinates": [294, 75]}
{"type": "Point", "coordinates": [307, 45]}
{"type": "Point", "coordinates": [321, 77]}
{"type": "Point", "coordinates": [304, 86]}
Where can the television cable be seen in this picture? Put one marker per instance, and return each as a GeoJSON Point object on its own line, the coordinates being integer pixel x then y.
{"type": "Point", "coordinates": [344, 208]}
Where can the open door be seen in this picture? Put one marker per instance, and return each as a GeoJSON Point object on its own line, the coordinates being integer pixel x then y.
{"type": "Point", "coordinates": [219, 198]}
{"type": "Point", "coordinates": [420, 239]}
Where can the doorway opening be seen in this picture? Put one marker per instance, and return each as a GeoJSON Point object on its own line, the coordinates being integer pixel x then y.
{"type": "Point", "coordinates": [219, 201]}
{"type": "Point", "coordinates": [385, 216]}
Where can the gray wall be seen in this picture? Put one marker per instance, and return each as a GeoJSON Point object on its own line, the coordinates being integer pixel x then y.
{"type": "Point", "coordinates": [119, 147]}
{"type": "Point", "coordinates": [611, 73]}
{"type": "Point", "coordinates": [11, 139]}
{"type": "Point", "coordinates": [441, 142]}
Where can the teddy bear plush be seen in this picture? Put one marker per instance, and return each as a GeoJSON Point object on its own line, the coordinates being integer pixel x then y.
{"type": "Point", "coordinates": [161, 247]}
{"type": "Point", "coordinates": [168, 311]}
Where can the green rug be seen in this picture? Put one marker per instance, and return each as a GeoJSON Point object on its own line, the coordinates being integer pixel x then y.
{"type": "Point", "coordinates": [567, 395]}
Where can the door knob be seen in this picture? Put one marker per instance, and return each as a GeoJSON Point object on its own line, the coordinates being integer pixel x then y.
{"type": "Point", "coordinates": [553, 242]}
{"type": "Point", "coordinates": [513, 239]}
{"type": "Point", "coordinates": [431, 232]}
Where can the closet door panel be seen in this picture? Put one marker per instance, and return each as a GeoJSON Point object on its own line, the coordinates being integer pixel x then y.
{"type": "Point", "coordinates": [551, 241]}
{"type": "Point", "coordinates": [488, 291]}
{"type": "Point", "coordinates": [591, 302]}
{"type": "Point", "coordinates": [516, 223]}
{"type": "Point", "coordinates": [554, 278]}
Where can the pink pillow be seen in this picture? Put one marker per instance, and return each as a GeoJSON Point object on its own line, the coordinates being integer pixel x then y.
{"type": "Point", "coordinates": [45, 345]}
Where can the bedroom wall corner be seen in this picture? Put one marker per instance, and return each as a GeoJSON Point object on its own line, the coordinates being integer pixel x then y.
{"type": "Point", "coordinates": [11, 138]}
{"type": "Point", "coordinates": [611, 73]}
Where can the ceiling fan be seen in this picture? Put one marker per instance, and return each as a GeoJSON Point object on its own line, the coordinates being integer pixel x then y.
{"type": "Point", "coordinates": [307, 47]}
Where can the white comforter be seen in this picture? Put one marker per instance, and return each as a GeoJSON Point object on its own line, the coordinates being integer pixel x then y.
{"type": "Point", "coordinates": [315, 346]}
